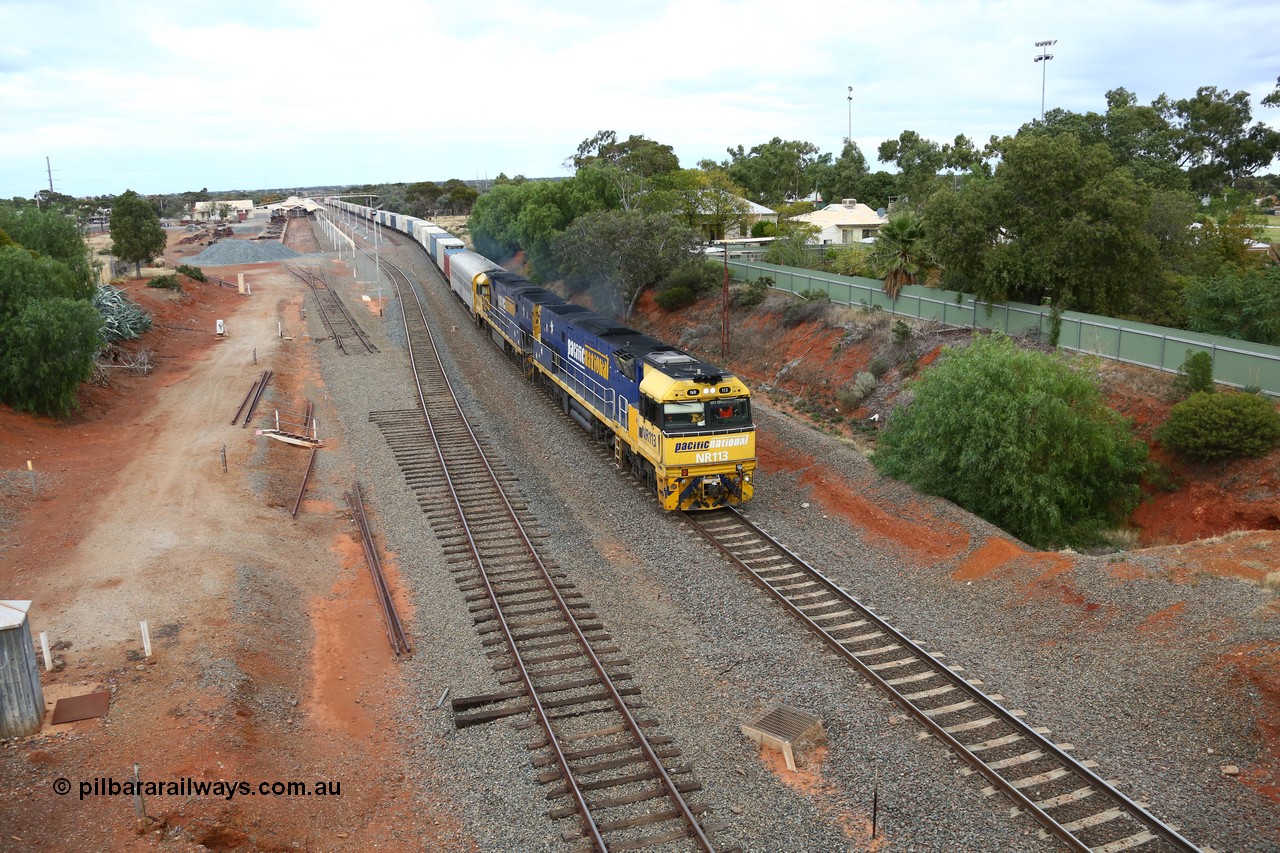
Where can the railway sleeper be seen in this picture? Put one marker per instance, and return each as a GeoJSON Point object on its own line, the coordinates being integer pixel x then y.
{"type": "Point", "coordinates": [632, 822]}
{"type": "Point", "coordinates": [538, 660]}
{"type": "Point", "coordinates": [557, 773]}
{"type": "Point", "coordinates": [596, 733]}
{"type": "Point", "coordinates": [628, 799]}
{"type": "Point", "coordinates": [594, 633]}
{"type": "Point", "coordinates": [484, 614]}
{"type": "Point", "coordinates": [611, 670]}
{"type": "Point", "coordinates": [616, 781]}
{"type": "Point", "coordinates": [658, 741]}
{"type": "Point", "coordinates": [562, 641]}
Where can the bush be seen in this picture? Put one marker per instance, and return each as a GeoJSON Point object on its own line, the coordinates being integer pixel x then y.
{"type": "Point", "coordinates": [803, 312]}
{"type": "Point", "coordinates": [850, 260]}
{"type": "Point", "coordinates": [1195, 375]}
{"type": "Point", "coordinates": [191, 272]}
{"type": "Point", "coordinates": [46, 350]}
{"type": "Point", "coordinates": [814, 296]}
{"type": "Point", "coordinates": [1208, 426]}
{"type": "Point", "coordinates": [675, 298]}
{"type": "Point", "coordinates": [755, 293]}
{"type": "Point", "coordinates": [878, 367]}
{"type": "Point", "coordinates": [901, 333]}
{"type": "Point", "coordinates": [1018, 438]}
{"type": "Point", "coordinates": [168, 282]}
{"type": "Point", "coordinates": [700, 277]}
{"type": "Point", "coordinates": [863, 385]}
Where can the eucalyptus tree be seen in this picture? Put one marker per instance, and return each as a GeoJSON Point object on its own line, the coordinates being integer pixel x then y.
{"type": "Point", "coordinates": [628, 165]}
{"type": "Point", "coordinates": [136, 235]}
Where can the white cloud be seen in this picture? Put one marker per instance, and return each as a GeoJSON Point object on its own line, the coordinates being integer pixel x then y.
{"type": "Point", "coordinates": [219, 95]}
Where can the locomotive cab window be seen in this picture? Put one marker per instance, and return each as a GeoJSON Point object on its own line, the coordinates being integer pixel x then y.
{"type": "Point", "coordinates": [730, 412]}
{"type": "Point", "coordinates": [684, 414]}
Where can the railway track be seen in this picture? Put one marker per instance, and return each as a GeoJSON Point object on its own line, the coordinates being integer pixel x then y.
{"type": "Point", "coordinates": [342, 327]}
{"type": "Point", "coordinates": [555, 660]}
{"type": "Point", "coordinates": [1071, 803]}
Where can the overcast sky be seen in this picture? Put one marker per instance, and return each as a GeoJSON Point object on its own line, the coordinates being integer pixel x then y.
{"type": "Point", "coordinates": [170, 96]}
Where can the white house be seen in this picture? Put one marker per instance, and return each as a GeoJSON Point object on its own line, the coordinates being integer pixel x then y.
{"type": "Point", "coordinates": [846, 222]}
{"type": "Point", "coordinates": [206, 211]}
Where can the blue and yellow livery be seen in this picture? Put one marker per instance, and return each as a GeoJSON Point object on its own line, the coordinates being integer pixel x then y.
{"type": "Point", "coordinates": [681, 425]}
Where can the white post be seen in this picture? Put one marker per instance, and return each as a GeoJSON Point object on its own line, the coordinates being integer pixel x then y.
{"type": "Point", "coordinates": [44, 647]}
{"type": "Point", "coordinates": [146, 638]}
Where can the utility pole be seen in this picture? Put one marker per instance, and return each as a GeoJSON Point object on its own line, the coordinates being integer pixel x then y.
{"type": "Point", "coordinates": [1044, 58]}
{"type": "Point", "coordinates": [49, 169]}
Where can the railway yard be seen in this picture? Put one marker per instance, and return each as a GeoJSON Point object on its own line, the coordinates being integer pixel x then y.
{"type": "Point", "coordinates": [1155, 670]}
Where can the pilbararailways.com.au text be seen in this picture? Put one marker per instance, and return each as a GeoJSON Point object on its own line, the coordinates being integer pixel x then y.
{"type": "Point", "coordinates": [187, 787]}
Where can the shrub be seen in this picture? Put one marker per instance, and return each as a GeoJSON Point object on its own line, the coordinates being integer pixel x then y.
{"type": "Point", "coordinates": [1208, 426]}
{"type": "Point", "coordinates": [878, 367]}
{"type": "Point", "coordinates": [1195, 375]}
{"type": "Point", "coordinates": [1018, 438]}
{"type": "Point", "coordinates": [191, 272]}
{"type": "Point", "coordinates": [698, 277]}
{"type": "Point", "coordinates": [863, 384]}
{"type": "Point", "coordinates": [814, 296]}
{"type": "Point", "coordinates": [803, 312]}
{"type": "Point", "coordinates": [755, 293]}
{"type": "Point", "coordinates": [901, 333]}
{"type": "Point", "coordinates": [168, 282]}
{"type": "Point", "coordinates": [675, 298]}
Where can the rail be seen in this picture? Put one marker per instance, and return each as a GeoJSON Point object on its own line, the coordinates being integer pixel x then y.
{"type": "Point", "coordinates": [977, 723]}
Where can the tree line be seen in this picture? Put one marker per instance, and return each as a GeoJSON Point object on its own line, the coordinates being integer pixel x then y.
{"type": "Point", "coordinates": [1143, 211]}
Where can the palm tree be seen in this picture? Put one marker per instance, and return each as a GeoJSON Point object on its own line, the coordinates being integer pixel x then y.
{"type": "Point", "coordinates": [899, 254]}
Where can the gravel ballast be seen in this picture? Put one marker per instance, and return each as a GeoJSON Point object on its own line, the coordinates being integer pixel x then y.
{"type": "Point", "coordinates": [710, 651]}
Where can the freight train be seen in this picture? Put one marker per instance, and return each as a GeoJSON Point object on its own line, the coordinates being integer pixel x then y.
{"type": "Point", "coordinates": [682, 426]}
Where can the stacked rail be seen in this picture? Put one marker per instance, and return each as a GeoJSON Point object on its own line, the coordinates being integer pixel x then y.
{"type": "Point", "coordinates": [1070, 802]}
{"type": "Point", "coordinates": [553, 656]}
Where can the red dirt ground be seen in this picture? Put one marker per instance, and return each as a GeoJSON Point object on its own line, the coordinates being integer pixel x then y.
{"type": "Point", "coordinates": [133, 475]}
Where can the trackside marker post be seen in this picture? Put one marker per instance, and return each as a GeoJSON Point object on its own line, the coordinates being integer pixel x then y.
{"type": "Point", "coordinates": [146, 638]}
{"type": "Point", "coordinates": [44, 647]}
{"type": "Point", "coordinates": [32, 472]}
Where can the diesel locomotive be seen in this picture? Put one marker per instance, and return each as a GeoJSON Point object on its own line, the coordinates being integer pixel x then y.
{"type": "Point", "coordinates": [679, 424]}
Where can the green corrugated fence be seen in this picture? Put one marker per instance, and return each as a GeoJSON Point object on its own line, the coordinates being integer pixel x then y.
{"type": "Point", "coordinates": [1239, 364]}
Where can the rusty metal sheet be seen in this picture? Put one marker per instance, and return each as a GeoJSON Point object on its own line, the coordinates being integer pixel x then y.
{"type": "Point", "coordinates": [84, 707]}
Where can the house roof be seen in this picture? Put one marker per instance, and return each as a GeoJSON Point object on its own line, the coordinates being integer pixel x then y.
{"type": "Point", "coordinates": [848, 213]}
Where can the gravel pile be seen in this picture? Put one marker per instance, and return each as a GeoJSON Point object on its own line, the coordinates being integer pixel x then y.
{"type": "Point", "coordinates": [710, 651]}
{"type": "Point", "coordinates": [226, 253]}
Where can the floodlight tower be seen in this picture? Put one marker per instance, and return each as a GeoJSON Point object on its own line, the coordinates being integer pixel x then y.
{"type": "Point", "coordinates": [1044, 57]}
{"type": "Point", "coordinates": [849, 138]}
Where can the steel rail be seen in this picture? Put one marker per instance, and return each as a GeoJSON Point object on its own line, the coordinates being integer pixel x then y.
{"type": "Point", "coordinates": [391, 618]}
{"type": "Point", "coordinates": [1052, 826]}
{"type": "Point", "coordinates": [245, 402]}
{"type": "Point", "coordinates": [692, 826]}
{"type": "Point", "coordinates": [324, 315]}
{"type": "Point", "coordinates": [302, 490]}
{"type": "Point", "coordinates": [343, 310]}
{"type": "Point", "coordinates": [262, 386]}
